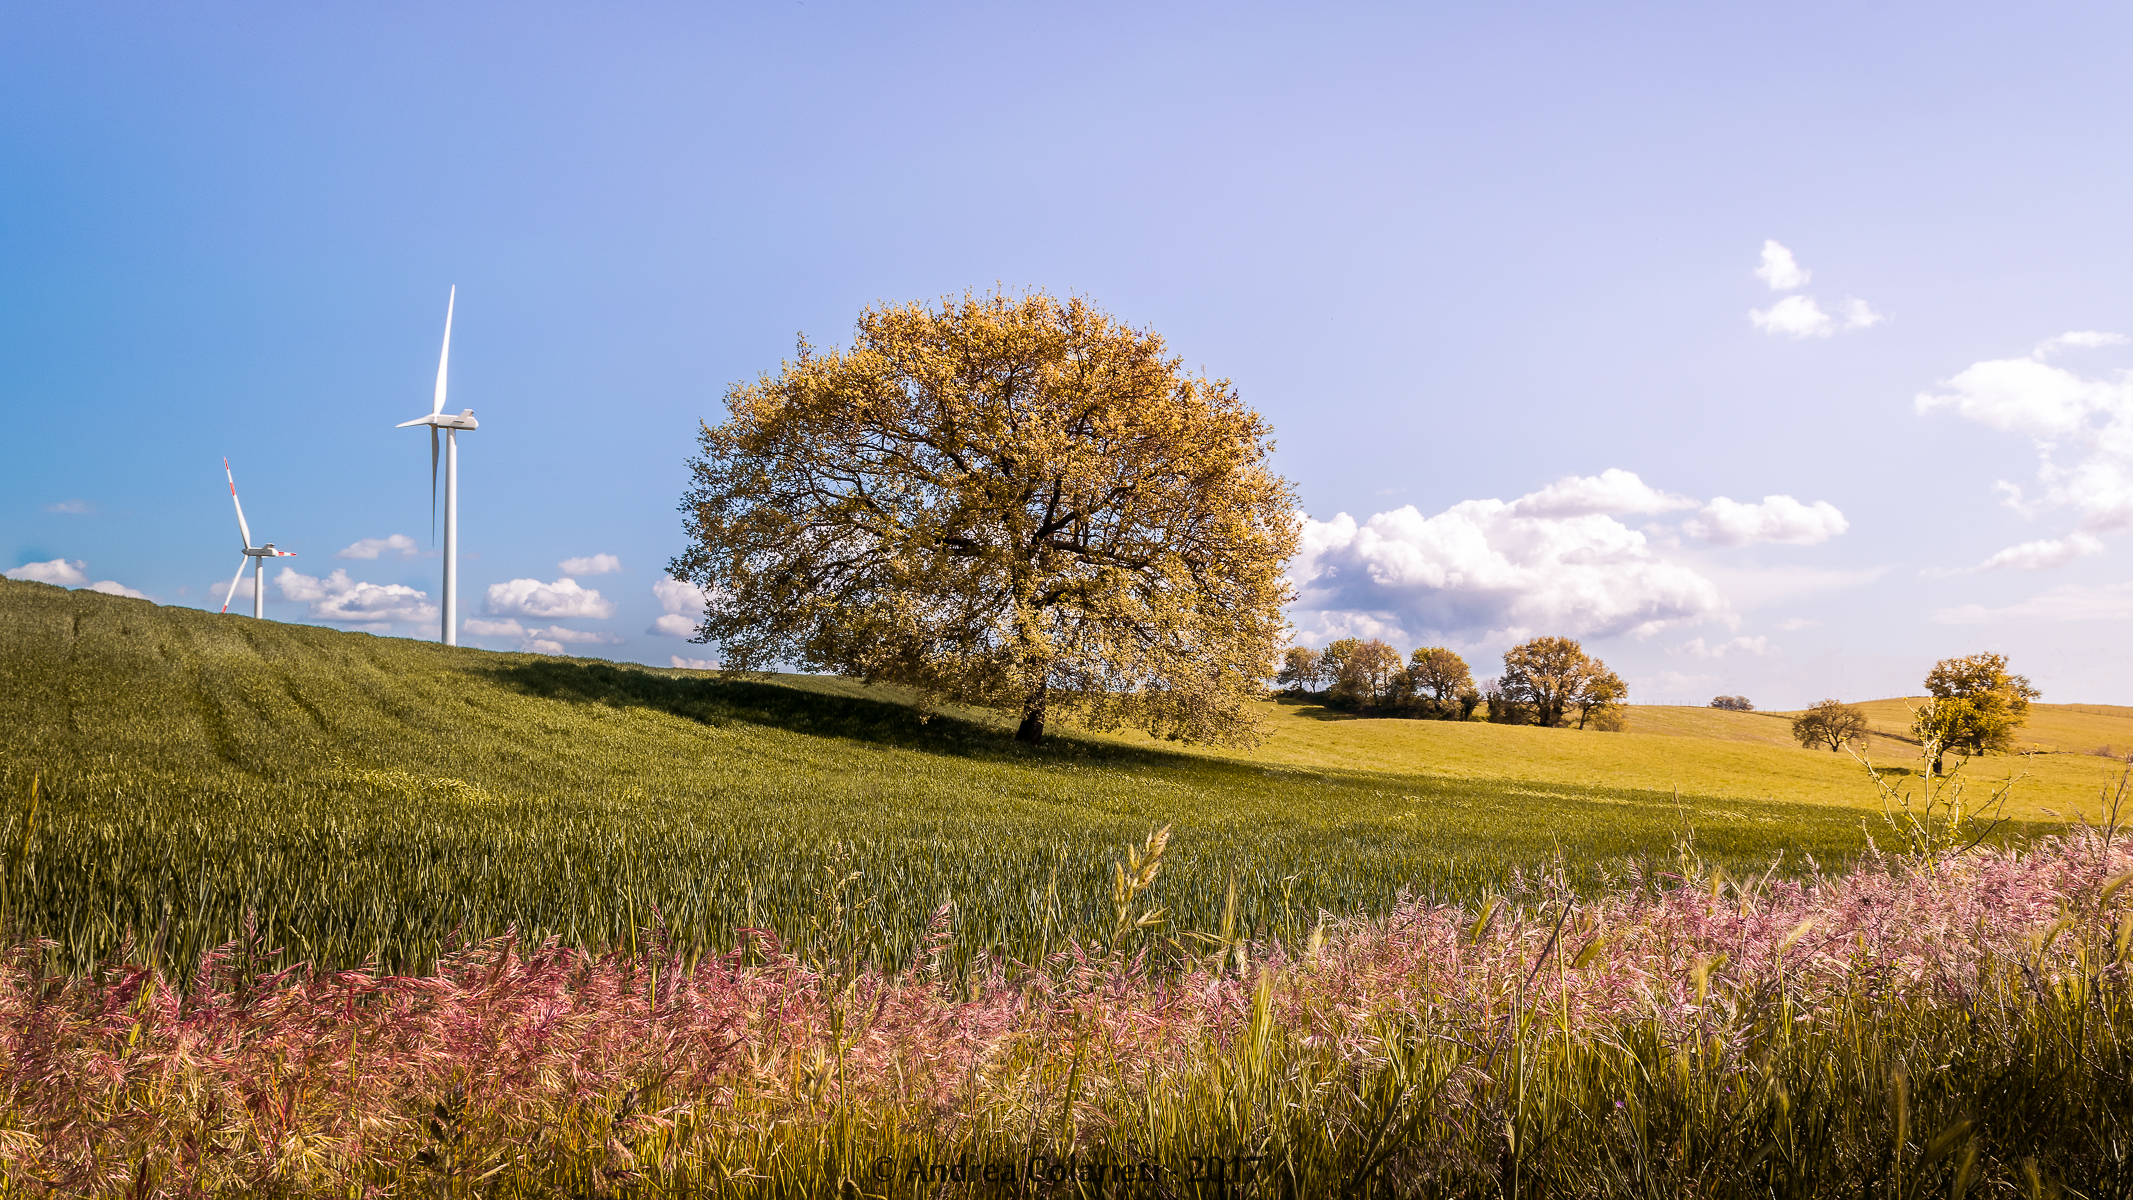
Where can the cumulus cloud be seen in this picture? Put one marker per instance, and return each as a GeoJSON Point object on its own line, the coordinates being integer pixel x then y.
{"type": "Point", "coordinates": [1612, 491]}
{"type": "Point", "coordinates": [692, 664]}
{"type": "Point", "coordinates": [77, 508]}
{"type": "Point", "coordinates": [58, 571]}
{"type": "Point", "coordinates": [1725, 522]}
{"type": "Point", "coordinates": [1780, 269]}
{"type": "Point", "coordinates": [1802, 316]}
{"type": "Point", "coordinates": [532, 598]}
{"type": "Point", "coordinates": [1482, 566]}
{"type": "Point", "coordinates": [370, 548]}
{"type": "Point", "coordinates": [683, 605]}
{"type": "Point", "coordinates": [2081, 428]}
{"type": "Point", "coordinates": [598, 564]}
{"type": "Point", "coordinates": [2111, 602]}
{"type": "Point", "coordinates": [112, 587]}
{"type": "Point", "coordinates": [2045, 554]}
{"type": "Point", "coordinates": [1757, 646]}
{"type": "Point", "coordinates": [1794, 316]}
{"type": "Point", "coordinates": [339, 598]}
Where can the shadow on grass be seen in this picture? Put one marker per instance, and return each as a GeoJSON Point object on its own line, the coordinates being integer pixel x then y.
{"type": "Point", "coordinates": [723, 700]}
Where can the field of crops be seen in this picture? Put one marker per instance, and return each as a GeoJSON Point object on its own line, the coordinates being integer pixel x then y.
{"type": "Point", "coordinates": [360, 796]}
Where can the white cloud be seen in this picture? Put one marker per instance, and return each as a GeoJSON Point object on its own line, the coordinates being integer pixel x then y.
{"type": "Point", "coordinates": [692, 664]}
{"type": "Point", "coordinates": [370, 548]}
{"type": "Point", "coordinates": [550, 640]}
{"type": "Point", "coordinates": [2042, 555]}
{"type": "Point", "coordinates": [1482, 566]}
{"type": "Point", "coordinates": [532, 598]}
{"type": "Point", "coordinates": [2111, 602]}
{"type": "Point", "coordinates": [1757, 646]}
{"type": "Point", "coordinates": [112, 587]}
{"type": "Point", "coordinates": [598, 564]}
{"type": "Point", "coordinates": [339, 598]}
{"type": "Point", "coordinates": [2080, 339]}
{"type": "Point", "coordinates": [2082, 428]}
{"type": "Point", "coordinates": [78, 508]}
{"type": "Point", "coordinates": [1794, 624]}
{"type": "Point", "coordinates": [1794, 316]}
{"type": "Point", "coordinates": [684, 605]}
{"type": "Point", "coordinates": [1858, 316]}
{"type": "Point", "coordinates": [1780, 269]}
{"type": "Point", "coordinates": [1725, 522]}
{"type": "Point", "coordinates": [59, 571]}
{"type": "Point", "coordinates": [481, 628]}
{"type": "Point", "coordinates": [1611, 491]}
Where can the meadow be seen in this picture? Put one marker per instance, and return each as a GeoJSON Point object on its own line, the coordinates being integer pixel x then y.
{"type": "Point", "coordinates": [360, 797]}
{"type": "Point", "coordinates": [303, 912]}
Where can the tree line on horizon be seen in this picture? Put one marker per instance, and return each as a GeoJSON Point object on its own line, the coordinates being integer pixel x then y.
{"type": "Point", "coordinates": [1547, 681]}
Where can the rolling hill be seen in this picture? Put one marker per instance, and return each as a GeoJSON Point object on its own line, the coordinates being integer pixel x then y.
{"type": "Point", "coordinates": [357, 796]}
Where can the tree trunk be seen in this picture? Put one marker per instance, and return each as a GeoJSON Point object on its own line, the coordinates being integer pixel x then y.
{"type": "Point", "coordinates": [1031, 731]}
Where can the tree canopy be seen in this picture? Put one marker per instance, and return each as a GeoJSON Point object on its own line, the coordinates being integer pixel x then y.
{"type": "Point", "coordinates": [1439, 673]}
{"type": "Point", "coordinates": [1301, 669]}
{"type": "Point", "coordinates": [1012, 502]}
{"type": "Point", "coordinates": [1977, 705]}
{"type": "Point", "coordinates": [1547, 678]}
{"type": "Point", "coordinates": [1370, 671]}
{"type": "Point", "coordinates": [1831, 723]}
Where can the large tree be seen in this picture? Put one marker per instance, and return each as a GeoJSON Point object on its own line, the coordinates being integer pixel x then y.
{"type": "Point", "coordinates": [1830, 722]}
{"type": "Point", "coordinates": [1977, 705]}
{"type": "Point", "coordinates": [1544, 679]}
{"type": "Point", "coordinates": [1439, 673]}
{"type": "Point", "coordinates": [1007, 501]}
{"type": "Point", "coordinates": [1370, 673]}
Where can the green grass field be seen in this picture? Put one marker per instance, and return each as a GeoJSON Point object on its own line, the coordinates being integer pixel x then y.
{"type": "Point", "coordinates": [363, 796]}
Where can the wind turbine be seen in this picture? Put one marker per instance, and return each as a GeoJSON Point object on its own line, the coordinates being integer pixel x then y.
{"type": "Point", "coordinates": [257, 556]}
{"type": "Point", "coordinates": [439, 419]}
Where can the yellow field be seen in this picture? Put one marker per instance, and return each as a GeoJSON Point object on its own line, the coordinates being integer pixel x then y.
{"type": "Point", "coordinates": [1710, 752]}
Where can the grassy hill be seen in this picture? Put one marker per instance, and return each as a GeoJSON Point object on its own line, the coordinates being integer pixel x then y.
{"type": "Point", "coordinates": [358, 796]}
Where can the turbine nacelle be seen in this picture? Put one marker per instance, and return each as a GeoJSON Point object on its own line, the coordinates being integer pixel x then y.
{"type": "Point", "coordinates": [464, 419]}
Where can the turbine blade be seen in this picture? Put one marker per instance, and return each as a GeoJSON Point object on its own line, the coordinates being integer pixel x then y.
{"type": "Point", "coordinates": [234, 580]}
{"type": "Point", "coordinates": [242, 528]}
{"type": "Point", "coordinates": [433, 484]}
{"type": "Point", "coordinates": [445, 357]}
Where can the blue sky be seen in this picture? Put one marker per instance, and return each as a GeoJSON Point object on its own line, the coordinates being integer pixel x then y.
{"type": "Point", "coordinates": [1468, 259]}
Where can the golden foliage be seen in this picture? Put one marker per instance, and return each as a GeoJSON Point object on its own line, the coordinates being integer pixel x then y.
{"type": "Point", "coordinates": [1010, 502]}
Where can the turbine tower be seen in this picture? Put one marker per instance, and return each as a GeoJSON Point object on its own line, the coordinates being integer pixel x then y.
{"type": "Point", "coordinates": [256, 556]}
{"type": "Point", "coordinates": [439, 419]}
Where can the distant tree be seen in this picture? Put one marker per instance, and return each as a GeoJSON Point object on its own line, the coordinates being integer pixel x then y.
{"type": "Point", "coordinates": [1548, 677]}
{"type": "Point", "coordinates": [1335, 657]}
{"type": "Point", "coordinates": [1300, 670]}
{"type": "Point", "coordinates": [1011, 502]}
{"type": "Point", "coordinates": [1829, 722]}
{"type": "Point", "coordinates": [1439, 674]}
{"type": "Point", "coordinates": [1370, 674]}
{"type": "Point", "coordinates": [1732, 703]}
{"type": "Point", "coordinates": [1977, 705]}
